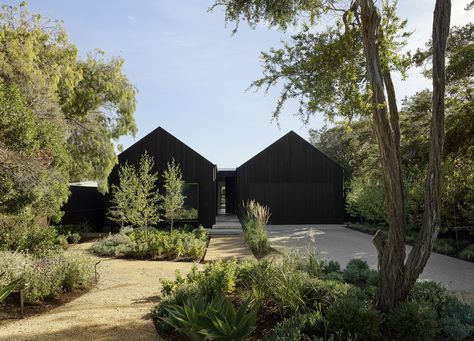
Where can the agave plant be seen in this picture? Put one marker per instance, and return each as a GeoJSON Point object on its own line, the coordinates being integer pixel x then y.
{"type": "Point", "coordinates": [218, 320]}
{"type": "Point", "coordinates": [6, 290]}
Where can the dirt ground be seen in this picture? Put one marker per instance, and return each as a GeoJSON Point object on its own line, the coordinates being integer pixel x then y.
{"type": "Point", "coordinates": [118, 308]}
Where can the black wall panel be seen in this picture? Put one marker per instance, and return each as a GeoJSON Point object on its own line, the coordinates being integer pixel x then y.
{"type": "Point", "coordinates": [300, 184]}
{"type": "Point", "coordinates": [85, 205]}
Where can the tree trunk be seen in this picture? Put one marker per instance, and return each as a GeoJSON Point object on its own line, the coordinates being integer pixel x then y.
{"type": "Point", "coordinates": [397, 277]}
{"type": "Point", "coordinates": [420, 253]}
{"type": "Point", "coordinates": [391, 253]}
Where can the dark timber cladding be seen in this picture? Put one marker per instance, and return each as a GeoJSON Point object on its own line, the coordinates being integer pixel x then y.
{"type": "Point", "coordinates": [86, 205]}
{"type": "Point", "coordinates": [195, 168]}
{"type": "Point", "coordinates": [300, 184]}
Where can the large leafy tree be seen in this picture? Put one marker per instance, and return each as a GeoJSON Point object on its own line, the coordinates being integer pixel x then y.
{"type": "Point", "coordinates": [67, 111]}
{"type": "Point", "coordinates": [346, 70]}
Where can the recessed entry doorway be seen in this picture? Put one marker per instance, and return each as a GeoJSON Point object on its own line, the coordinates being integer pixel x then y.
{"type": "Point", "coordinates": [226, 196]}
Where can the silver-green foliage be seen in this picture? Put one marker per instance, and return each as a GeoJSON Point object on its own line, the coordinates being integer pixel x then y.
{"type": "Point", "coordinates": [45, 276]}
{"type": "Point", "coordinates": [458, 321]}
{"type": "Point", "coordinates": [153, 244]}
{"type": "Point", "coordinates": [217, 320]}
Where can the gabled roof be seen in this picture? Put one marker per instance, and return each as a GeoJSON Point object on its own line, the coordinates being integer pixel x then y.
{"type": "Point", "coordinates": [291, 136]}
{"type": "Point", "coordinates": [160, 131]}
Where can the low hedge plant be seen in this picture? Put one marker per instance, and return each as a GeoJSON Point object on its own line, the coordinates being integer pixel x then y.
{"type": "Point", "coordinates": [153, 244]}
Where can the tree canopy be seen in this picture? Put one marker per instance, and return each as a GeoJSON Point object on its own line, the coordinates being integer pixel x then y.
{"type": "Point", "coordinates": [344, 70]}
{"type": "Point", "coordinates": [62, 113]}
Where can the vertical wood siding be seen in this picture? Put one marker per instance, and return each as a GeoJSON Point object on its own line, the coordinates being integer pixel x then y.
{"type": "Point", "coordinates": [300, 184]}
{"type": "Point", "coordinates": [195, 168]}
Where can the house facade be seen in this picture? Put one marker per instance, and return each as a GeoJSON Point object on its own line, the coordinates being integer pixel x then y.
{"type": "Point", "coordinates": [300, 184]}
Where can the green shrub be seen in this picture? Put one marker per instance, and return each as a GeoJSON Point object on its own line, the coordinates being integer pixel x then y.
{"type": "Point", "coordinates": [149, 243]}
{"type": "Point", "coordinates": [308, 261]}
{"type": "Point", "coordinates": [46, 275]}
{"type": "Point", "coordinates": [114, 245]}
{"type": "Point", "coordinates": [299, 327]}
{"type": "Point", "coordinates": [413, 321]}
{"type": "Point", "coordinates": [218, 320]}
{"type": "Point", "coordinates": [286, 284]}
{"type": "Point", "coordinates": [217, 278]}
{"type": "Point", "coordinates": [351, 317]}
{"type": "Point", "coordinates": [79, 270]}
{"type": "Point", "coordinates": [445, 246]}
{"type": "Point", "coordinates": [458, 321]}
{"type": "Point", "coordinates": [62, 241]}
{"type": "Point", "coordinates": [468, 253]}
{"type": "Point", "coordinates": [431, 294]}
{"type": "Point", "coordinates": [160, 311]}
{"type": "Point", "coordinates": [331, 266]}
{"type": "Point", "coordinates": [320, 294]}
{"type": "Point", "coordinates": [280, 282]}
{"type": "Point", "coordinates": [21, 233]}
{"type": "Point", "coordinates": [358, 270]}
{"type": "Point", "coordinates": [74, 238]}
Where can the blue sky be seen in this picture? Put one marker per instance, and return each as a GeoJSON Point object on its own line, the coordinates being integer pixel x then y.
{"type": "Point", "coordinates": [191, 74]}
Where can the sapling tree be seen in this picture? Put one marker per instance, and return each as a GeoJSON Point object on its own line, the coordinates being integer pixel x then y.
{"type": "Point", "coordinates": [121, 207]}
{"type": "Point", "coordinates": [135, 201]}
{"type": "Point", "coordinates": [344, 69]}
{"type": "Point", "coordinates": [147, 196]}
{"type": "Point", "coordinates": [173, 199]}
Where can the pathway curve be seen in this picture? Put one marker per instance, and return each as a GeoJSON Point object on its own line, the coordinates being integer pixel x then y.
{"type": "Point", "coordinates": [118, 308]}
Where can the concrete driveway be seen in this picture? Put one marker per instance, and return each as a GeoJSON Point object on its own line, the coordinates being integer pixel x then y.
{"type": "Point", "coordinates": [342, 244]}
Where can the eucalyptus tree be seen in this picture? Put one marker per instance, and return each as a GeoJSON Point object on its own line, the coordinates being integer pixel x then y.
{"type": "Point", "coordinates": [67, 110]}
{"type": "Point", "coordinates": [345, 70]}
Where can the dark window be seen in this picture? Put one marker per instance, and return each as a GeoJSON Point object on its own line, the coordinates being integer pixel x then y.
{"type": "Point", "coordinates": [191, 202]}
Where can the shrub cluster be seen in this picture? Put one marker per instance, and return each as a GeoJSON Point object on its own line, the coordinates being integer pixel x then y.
{"type": "Point", "coordinates": [316, 300]}
{"type": "Point", "coordinates": [293, 285]}
{"type": "Point", "coordinates": [454, 319]}
{"type": "Point", "coordinates": [153, 244]}
{"type": "Point", "coordinates": [47, 275]}
{"type": "Point", "coordinates": [22, 234]}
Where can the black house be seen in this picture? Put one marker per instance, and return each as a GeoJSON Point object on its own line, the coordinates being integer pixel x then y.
{"type": "Point", "coordinates": [299, 184]}
{"type": "Point", "coordinates": [199, 174]}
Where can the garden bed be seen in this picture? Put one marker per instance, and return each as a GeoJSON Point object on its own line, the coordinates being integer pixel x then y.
{"type": "Point", "coordinates": [154, 244]}
{"type": "Point", "coordinates": [10, 310]}
{"type": "Point", "coordinates": [298, 297]}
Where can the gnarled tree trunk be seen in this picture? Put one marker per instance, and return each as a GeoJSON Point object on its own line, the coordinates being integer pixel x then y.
{"type": "Point", "coordinates": [432, 210]}
{"type": "Point", "coordinates": [397, 277]}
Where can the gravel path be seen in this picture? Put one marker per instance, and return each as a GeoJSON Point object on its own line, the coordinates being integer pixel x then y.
{"type": "Point", "coordinates": [118, 308]}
